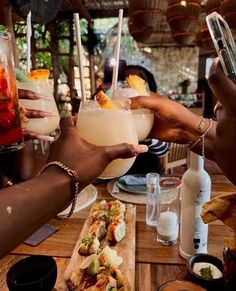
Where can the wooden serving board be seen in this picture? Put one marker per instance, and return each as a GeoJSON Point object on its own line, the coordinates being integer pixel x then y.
{"type": "Point", "coordinates": [125, 249]}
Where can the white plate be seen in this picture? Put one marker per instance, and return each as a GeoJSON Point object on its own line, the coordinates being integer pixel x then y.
{"type": "Point", "coordinates": [87, 196]}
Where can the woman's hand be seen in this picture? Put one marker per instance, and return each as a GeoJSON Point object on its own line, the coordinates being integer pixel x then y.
{"type": "Point", "coordinates": [32, 113]}
{"type": "Point", "coordinates": [173, 122]}
{"type": "Point", "coordinates": [86, 159]}
{"type": "Point", "coordinates": [225, 91]}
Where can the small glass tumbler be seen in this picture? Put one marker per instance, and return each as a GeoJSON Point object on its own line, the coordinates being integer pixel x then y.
{"type": "Point", "coordinates": [168, 216]}
{"type": "Point", "coordinates": [11, 137]}
{"type": "Point", "coordinates": [153, 193]}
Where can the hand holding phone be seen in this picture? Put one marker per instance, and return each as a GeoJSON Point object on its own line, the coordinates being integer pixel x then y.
{"type": "Point", "coordinates": [223, 42]}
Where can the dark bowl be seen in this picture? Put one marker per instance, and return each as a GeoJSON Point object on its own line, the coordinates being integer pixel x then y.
{"type": "Point", "coordinates": [209, 284]}
{"type": "Point", "coordinates": [180, 285]}
{"type": "Point", "coordinates": [34, 273]}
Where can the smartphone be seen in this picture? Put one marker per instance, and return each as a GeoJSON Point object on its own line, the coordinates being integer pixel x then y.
{"type": "Point", "coordinates": [223, 42]}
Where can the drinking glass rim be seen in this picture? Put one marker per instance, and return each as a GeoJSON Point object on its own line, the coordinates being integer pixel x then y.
{"type": "Point", "coordinates": [33, 81]}
{"type": "Point", "coordinates": [122, 104]}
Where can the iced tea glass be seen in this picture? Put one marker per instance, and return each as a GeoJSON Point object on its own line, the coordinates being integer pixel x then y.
{"type": "Point", "coordinates": [11, 137]}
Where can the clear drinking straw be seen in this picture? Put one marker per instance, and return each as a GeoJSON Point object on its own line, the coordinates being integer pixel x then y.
{"type": "Point", "coordinates": [28, 34]}
{"type": "Point", "coordinates": [80, 55]}
{"type": "Point", "coordinates": [117, 53]}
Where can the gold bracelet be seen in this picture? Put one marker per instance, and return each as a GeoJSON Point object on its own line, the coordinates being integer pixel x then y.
{"type": "Point", "coordinates": [201, 124]}
{"type": "Point", "coordinates": [75, 181]}
{"type": "Point", "coordinates": [191, 145]}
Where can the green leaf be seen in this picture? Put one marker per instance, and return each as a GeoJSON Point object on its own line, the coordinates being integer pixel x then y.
{"type": "Point", "coordinates": [206, 273]}
{"type": "Point", "coordinates": [3, 30]}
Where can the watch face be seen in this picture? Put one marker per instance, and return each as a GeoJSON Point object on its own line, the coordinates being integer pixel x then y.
{"type": "Point", "coordinates": [41, 11]}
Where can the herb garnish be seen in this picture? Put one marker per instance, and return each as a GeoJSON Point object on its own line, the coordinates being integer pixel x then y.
{"type": "Point", "coordinates": [206, 273]}
{"type": "Point", "coordinates": [87, 240]}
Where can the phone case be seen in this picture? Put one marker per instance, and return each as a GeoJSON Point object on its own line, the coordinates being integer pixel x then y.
{"type": "Point", "coordinates": [223, 42]}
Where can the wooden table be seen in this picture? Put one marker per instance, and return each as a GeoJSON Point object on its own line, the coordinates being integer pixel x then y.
{"type": "Point", "coordinates": [155, 263]}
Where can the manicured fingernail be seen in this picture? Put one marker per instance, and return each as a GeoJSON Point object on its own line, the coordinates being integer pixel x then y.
{"type": "Point", "coordinates": [47, 114]}
{"type": "Point", "coordinates": [141, 148]}
{"type": "Point", "coordinates": [40, 96]}
{"type": "Point", "coordinates": [45, 137]}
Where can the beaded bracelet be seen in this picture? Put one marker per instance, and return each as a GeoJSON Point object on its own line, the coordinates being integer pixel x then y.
{"type": "Point", "coordinates": [201, 139]}
{"type": "Point", "coordinates": [75, 181]}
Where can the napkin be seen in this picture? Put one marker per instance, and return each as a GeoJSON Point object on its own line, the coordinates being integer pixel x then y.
{"type": "Point", "coordinates": [133, 180]}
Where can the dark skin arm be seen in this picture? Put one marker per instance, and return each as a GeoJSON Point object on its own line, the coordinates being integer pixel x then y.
{"type": "Point", "coordinates": [175, 123]}
{"type": "Point", "coordinates": [26, 206]}
{"type": "Point", "coordinates": [225, 91]}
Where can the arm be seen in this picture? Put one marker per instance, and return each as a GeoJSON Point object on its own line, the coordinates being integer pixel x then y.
{"type": "Point", "coordinates": [175, 123]}
{"type": "Point", "coordinates": [26, 206]}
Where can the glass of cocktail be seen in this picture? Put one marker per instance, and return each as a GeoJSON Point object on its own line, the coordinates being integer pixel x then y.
{"type": "Point", "coordinates": [11, 137]}
{"type": "Point", "coordinates": [110, 126]}
{"type": "Point", "coordinates": [45, 125]}
{"type": "Point", "coordinates": [143, 118]}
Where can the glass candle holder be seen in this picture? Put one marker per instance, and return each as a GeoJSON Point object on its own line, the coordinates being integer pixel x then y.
{"type": "Point", "coordinates": [11, 137]}
{"type": "Point", "coordinates": [168, 214]}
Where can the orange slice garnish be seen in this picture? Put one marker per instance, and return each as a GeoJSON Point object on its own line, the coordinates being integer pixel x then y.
{"type": "Point", "coordinates": [41, 74]}
{"type": "Point", "coordinates": [104, 101]}
{"type": "Point", "coordinates": [138, 84]}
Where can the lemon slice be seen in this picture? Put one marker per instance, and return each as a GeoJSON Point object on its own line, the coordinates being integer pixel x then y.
{"type": "Point", "coordinates": [41, 74]}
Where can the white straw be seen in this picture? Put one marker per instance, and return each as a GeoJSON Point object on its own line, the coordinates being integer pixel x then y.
{"type": "Point", "coordinates": [117, 52]}
{"type": "Point", "coordinates": [29, 33]}
{"type": "Point", "coordinates": [80, 55]}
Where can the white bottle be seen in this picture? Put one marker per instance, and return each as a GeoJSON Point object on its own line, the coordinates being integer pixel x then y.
{"type": "Point", "coordinates": [195, 191]}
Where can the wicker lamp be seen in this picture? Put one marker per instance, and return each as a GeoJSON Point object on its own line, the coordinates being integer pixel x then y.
{"type": "Point", "coordinates": [147, 13]}
{"type": "Point", "coordinates": [212, 5]}
{"type": "Point", "coordinates": [140, 34]}
{"type": "Point", "coordinates": [228, 11]}
{"type": "Point", "coordinates": [183, 17]}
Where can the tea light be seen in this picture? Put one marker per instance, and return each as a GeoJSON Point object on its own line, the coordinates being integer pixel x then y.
{"type": "Point", "coordinates": [167, 226]}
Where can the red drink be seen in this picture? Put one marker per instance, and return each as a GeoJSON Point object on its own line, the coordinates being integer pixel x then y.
{"type": "Point", "coordinates": [11, 138]}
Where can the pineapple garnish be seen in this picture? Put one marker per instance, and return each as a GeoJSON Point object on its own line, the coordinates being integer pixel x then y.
{"type": "Point", "coordinates": [41, 74]}
{"type": "Point", "coordinates": [138, 84]}
{"type": "Point", "coordinates": [104, 101]}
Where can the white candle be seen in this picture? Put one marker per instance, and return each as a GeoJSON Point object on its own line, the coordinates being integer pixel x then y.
{"type": "Point", "coordinates": [168, 226]}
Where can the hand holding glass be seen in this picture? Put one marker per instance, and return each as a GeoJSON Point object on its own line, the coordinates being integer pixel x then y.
{"type": "Point", "coordinates": [45, 125]}
{"type": "Point", "coordinates": [108, 127]}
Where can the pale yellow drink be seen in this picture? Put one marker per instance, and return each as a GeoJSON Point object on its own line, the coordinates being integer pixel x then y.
{"type": "Point", "coordinates": [108, 127]}
{"type": "Point", "coordinates": [44, 125]}
{"type": "Point", "coordinates": [143, 118]}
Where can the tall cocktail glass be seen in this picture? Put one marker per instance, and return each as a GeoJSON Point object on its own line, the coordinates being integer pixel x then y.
{"type": "Point", "coordinates": [108, 127]}
{"type": "Point", "coordinates": [45, 125]}
{"type": "Point", "coordinates": [11, 137]}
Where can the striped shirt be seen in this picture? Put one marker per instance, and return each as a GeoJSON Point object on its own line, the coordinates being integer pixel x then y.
{"type": "Point", "coordinates": [157, 147]}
